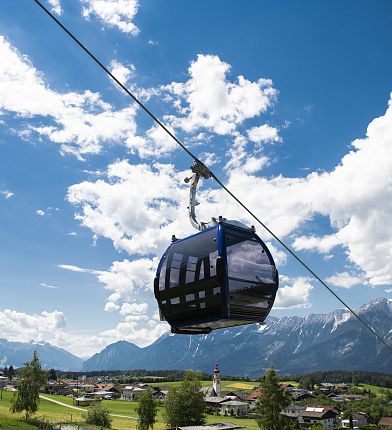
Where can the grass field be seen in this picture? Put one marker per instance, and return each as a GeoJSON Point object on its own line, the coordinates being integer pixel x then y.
{"type": "Point", "coordinates": [378, 391]}
{"type": "Point", "coordinates": [49, 411]}
{"type": "Point", "coordinates": [225, 385]}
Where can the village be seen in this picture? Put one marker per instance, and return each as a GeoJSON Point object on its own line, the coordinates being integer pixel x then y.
{"type": "Point", "coordinates": [321, 404]}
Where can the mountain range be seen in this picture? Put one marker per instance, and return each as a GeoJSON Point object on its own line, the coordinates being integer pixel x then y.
{"type": "Point", "coordinates": [336, 340]}
{"type": "Point", "coordinates": [18, 353]}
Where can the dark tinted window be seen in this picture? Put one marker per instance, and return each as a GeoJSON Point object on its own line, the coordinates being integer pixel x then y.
{"type": "Point", "coordinates": [251, 275]}
{"type": "Point", "coordinates": [188, 282]}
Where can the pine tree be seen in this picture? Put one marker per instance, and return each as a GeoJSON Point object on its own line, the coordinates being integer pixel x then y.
{"type": "Point", "coordinates": [27, 397]}
{"type": "Point", "coordinates": [272, 400]}
{"type": "Point", "coordinates": [184, 405]}
{"type": "Point", "coordinates": [11, 372]}
{"type": "Point", "coordinates": [146, 410]}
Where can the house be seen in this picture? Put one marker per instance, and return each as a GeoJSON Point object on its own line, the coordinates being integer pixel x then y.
{"type": "Point", "coordinates": [214, 426]}
{"type": "Point", "coordinates": [159, 394]}
{"type": "Point", "coordinates": [251, 397]}
{"type": "Point", "coordinates": [131, 392]}
{"type": "Point", "coordinates": [300, 396]}
{"type": "Point", "coordinates": [85, 401]}
{"type": "Point", "coordinates": [342, 388]}
{"type": "Point", "coordinates": [214, 402]}
{"type": "Point", "coordinates": [87, 388]}
{"type": "Point", "coordinates": [3, 382]}
{"type": "Point", "coordinates": [234, 408]}
{"type": "Point", "coordinates": [287, 387]}
{"type": "Point", "coordinates": [57, 387]}
{"type": "Point", "coordinates": [356, 397]}
{"type": "Point", "coordinates": [385, 422]}
{"type": "Point", "coordinates": [292, 410]}
{"type": "Point", "coordinates": [324, 415]}
{"type": "Point", "coordinates": [359, 419]}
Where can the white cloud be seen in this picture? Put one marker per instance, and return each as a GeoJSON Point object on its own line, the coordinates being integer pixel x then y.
{"type": "Point", "coordinates": [293, 293]}
{"type": "Point", "coordinates": [264, 133]}
{"type": "Point", "coordinates": [25, 327]}
{"type": "Point", "coordinates": [40, 212]}
{"type": "Point", "coordinates": [74, 268]}
{"type": "Point", "coordinates": [6, 194]}
{"type": "Point", "coordinates": [138, 208]}
{"type": "Point", "coordinates": [114, 13]}
{"type": "Point", "coordinates": [208, 100]}
{"type": "Point", "coordinates": [43, 284]}
{"type": "Point", "coordinates": [80, 122]}
{"type": "Point", "coordinates": [56, 6]}
{"type": "Point", "coordinates": [52, 327]}
{"type": "Point", "coordinates": [121, 72]}
{"type": "Point", "coordinates": [345, 280]}
{"type": "Point", "coordinates": [321, 244]}
{"type": "Point", "coordinates": [130, 284]}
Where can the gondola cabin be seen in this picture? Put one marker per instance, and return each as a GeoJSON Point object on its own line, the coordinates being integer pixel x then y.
{"type": "Point", "coordinates": [223, 276]}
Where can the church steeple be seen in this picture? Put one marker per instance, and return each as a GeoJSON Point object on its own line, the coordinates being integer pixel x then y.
{"type": "Point", "coordinates": [216, 380]}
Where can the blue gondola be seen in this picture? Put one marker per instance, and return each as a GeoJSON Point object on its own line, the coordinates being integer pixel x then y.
{"type": "Point", "coordinates": [223, 276]}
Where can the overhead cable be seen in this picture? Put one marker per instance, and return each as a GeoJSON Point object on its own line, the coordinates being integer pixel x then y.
{"type": "Point", "coordinates": [217, 180]}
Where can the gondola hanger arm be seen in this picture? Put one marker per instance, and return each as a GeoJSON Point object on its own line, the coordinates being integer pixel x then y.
{"type": "Point", "coordinates": [199, 170]}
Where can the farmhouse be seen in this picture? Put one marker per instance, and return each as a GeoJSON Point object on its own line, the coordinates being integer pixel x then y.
{"type": "Point", "coordinates": [324, 415]}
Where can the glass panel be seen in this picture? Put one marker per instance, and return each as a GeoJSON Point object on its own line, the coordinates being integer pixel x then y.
{"type": "Point", "coordinates": [191, 266]}
{"type": "Point", "coordinates": [174, 277]}
{"type": "Point", "coordinates": [213, 257]}
{"type": "Point", "coordinates": [176, 263]}
{"type": "Point", "coordinates": [189, 277]}
{"type": "Point", "coordinates": [162, 276]}
{"type": "Point", "coordinates": [248, 260]}
{"type": "Point", "coordinates": [188, 262]}
{"type": "Point", "coordinates": [201, 275]}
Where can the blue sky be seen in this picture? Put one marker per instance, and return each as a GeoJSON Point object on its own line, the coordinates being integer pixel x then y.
{"type": "Point", "coordinates": [287, 102]}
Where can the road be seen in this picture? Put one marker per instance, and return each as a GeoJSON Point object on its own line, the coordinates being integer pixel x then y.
{"type": "Point", "coordinates": [49, 399]}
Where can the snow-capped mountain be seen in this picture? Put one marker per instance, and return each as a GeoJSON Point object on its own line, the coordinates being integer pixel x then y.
{"type": "Point", "coordinates": [18, 353]}
{"type": "Point", "coordinates": [336, 340]}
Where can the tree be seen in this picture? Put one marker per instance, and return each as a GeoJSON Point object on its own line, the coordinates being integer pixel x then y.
{"type": "Point", "coordinates": [272, 400]}
{"type": "Point", "coordinates": [184, 405]}
{"type": "Point", "coordinates": [317, 426]}
{"type": "Point", "coordinates": [11, 372]}
{"type": "Point", "coordinates": [99, 416]}
{"type": "Point", "coordinates": [27, 397]}
{"type": "Point", "coordinates": [52, 375]}
{"type": "Point", "coordinates": [146, 410]}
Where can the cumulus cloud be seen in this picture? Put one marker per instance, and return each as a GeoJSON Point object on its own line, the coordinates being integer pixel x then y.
{"type": "Point", "coordinates": [122, 72]}
{"type": "Point", "coordinates": [264, 133]}
{"type": "Point", "coordinates": [345, 280]}
{"type": "Point", "coordinates": [113, 13]}
{"type": "Point", "coordinates": [209, 100]}
{"type": "Point", "coordinates": [55, 6]}
{"type": "Point", "coordinates": [80, 122]}
{"type": "Point", "coordinates": [52, 327]}
{"type": "Point", "coordinates": [130, 284]}
{"type": "Point", "coordinates": [40, 212]}
{"type": "Point", "coordinates": [293, 293]}
{"type": "Point", "coordinates": [25, 327]}
{"type": "Point", "coordinates": [138, 206]}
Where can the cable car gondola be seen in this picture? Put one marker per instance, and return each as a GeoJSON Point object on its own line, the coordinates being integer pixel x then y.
{"type": "Point", "coordinates": [223, 276]}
